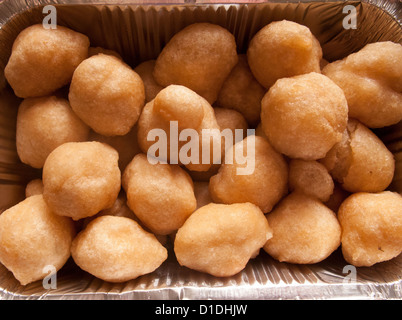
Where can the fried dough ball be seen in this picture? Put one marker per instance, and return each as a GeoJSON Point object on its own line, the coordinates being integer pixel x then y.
{"type": "Point", "coordinates": [32, 237]}
{"type": "Point", "coordinates": [199, 57]}
{"type": "Point", "coordinates": [372, 82]}
{"type": "Point", "coordinates": [161, 195]}
{"type": "Point", "coordinates": [127, 145]}
{"type": "Point", "coordinates": [304, 116]}
{"type": "Point", "coordinates": [43, 124]}
{"type": "Point", "coordinates": [220, 239]}
{"type": "Point", "coordinates": [117, 249]}
{"type": "Point", "coordinates": [93, 51]}
{"type": "Point", "coordinates": [107, 94]}
{"type": "Point", "coordinates": [304, 230]}
{"type": "Point", "coordinates": [242, 92]}
{"type": "Point", "coordinates": [360, 162]}
{"type": "Point", "coordinates": [283, 49]}
{"type": "Point", "coordinates": [81, 178]}
{"type": "Point", "coordinates": [337, 197]}
{"type": "Point", "coordinates": [33, 188]}
{"type": "Point", "coordinates": [177, 108]}
{"type": "Point", "coordinates": [371, 227]}
{"type": "Point", "coordinates": [311, 178]}
{"type": "Point", "coordinates": [145, 71]}
{"type": "Point", "coordinates": [231, 119]}
{"type": "Point", "coordinates": [43, 60]}
{"type": "Point", "coordinates": [261, 179]}
{"type": "Point", "coordinates": [201, 192]}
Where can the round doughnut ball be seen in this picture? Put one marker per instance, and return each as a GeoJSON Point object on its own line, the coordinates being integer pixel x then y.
{"type": "Point", "coordinates": [371, 227]}
{"type": "Point", "coordinates": [233, 120]}
{"type": "Point", "coordinates": [242, 92]}
{"type": "Point", "coordinates": [220, 239]}
{"type": "Point", "coordinates": [304, 230]}
{"type": "Point", "coordinates": [43, 124]}
{"type": "Point", "coordinates": [32, 238]}
{"type": "Point", "coordinates": [161, 195]}
{"type": "Point", "coordinates": [93, 51]}
{"type": "Point", "coordinates": [304, 116]}
{"type": "Point", "coordinates": [283, 49]}
{"type": "Point", "coordinates": [34, 187]}
{"type": "Point", "coordinates": [360, 162]}
{"type": "Point", "coordinates": [117, 249]}
{"type": "Point", "coordinates": [311, 178]}
{"type": "Point", "coordinates": [260, 177]}
{"type": "Point", "coordinates": [145, 71]}
{"type": "Point", "coordinates": [81, 178]}
{"type": "Point", "coordinates": [199, 57]}
{"type": "Point", "coordinates": [371, 81]}
{"type": "Point", "coordinates": [107, 94]}
{"type": "Point", "coordinates": [43, 60]}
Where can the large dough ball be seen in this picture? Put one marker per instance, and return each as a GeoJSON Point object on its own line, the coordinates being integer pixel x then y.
{"type": "Point", "coordinates": [372, 81]}
{"type": "Point", "coordinates": [117, 249]}
{"type": "Point", "coordinates": [304, 116]}
{"type": "Point", "coordinates": [107, 94]}
{"type": "Point", "coordinates": [304, 230]}
{"type": "Point", "coordinates": [220, 239]}
{"type": "Point", "coordinates": [43, 124]}
{"type": "Point", "coordinates": [43, 60]}
{"type": "Point", "coordinates": [199, 57]}
{"type": "Point", "coordinates": [371, 227]}
{"type": "Point", "coordinates": [261, 177]}
{"type": "Point", "coordinates": [32, 238]}
{"type": "Point", "coordinates": [283, 49]}
{"type": "Point", "coordinates": [81, 178]}
{"type": "Point", "coordinates": [161, 195]}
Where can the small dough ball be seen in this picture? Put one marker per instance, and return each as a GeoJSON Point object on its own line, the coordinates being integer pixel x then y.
{"type": "Point", "coordinates": [117, 249]}
{"type": "Point", "coordinates": [371, 227]}
{"type": "Point", "coordinates": [337, 197]}
{"type": "Point", "coordinates": [43, 124]}
{"type": "Point", "coordinates": [32, 237]}
{"type": "Point", "coordinates": [220, 239]}
{"type": "Point", "coordinates": [43, 60]}
{"type": "Point", "coordinates": [107, 94]}
{"type": "Point", "coordinates": [304, 230]}
{"type": "Point", "coordinates": [360, 162]}
{"type": "Point", "coordinates": [311, 178]}
{"type": "Point", "coordinates": [201, 192]}
{"type": "Point", "coordinates": [81, 178]}
{"type": "Point", "coordinates": [93, 51]}
{"type": "Point", "coordinates": [199, 57]}
{"type": "Point", "coordinates": [233, 120]}
{"type": "Point", "coordinates": [127, 146]}
{"type": "Point", "coordinates": [33, 188]}
{"type": "Point", "coordinates": [175, 111]}
{"type": "Point", "coordinates": [145, 71]}
{"type": "Point", "coordinates": [242, 92]}
{"type": "Point", "coordinates": [372, 82]}
{"type": "Point", "coordinates": [304, 116]}
{"type": "Point", "coordinates": [283, 49]}
{"type": "Point", "coordinates": [261, 177]}
{"type": "Point", "coordinates": [161, 195]}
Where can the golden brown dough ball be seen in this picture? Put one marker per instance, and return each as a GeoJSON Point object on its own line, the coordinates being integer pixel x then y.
{"type": "Point", "coordinates": [199, 57]}
{"type": "Point", "coordinates": [33, 188]}
{"type": "Point", "coordinates": [93, 51]}
{"type": "Point", "coordinates": [231, 119]}
{"type": "Point", "coordinates": [371, 227]}
{"type": "Point", "coordinates": [260, 178]}
{"type": "Point", "coordinates": [127, 145]}
{"type": "Point", "coordinates": [43, 124]}
{"type": "Point", "coordinates": [161, 195]}
{"type": "Point", "coordinates": [81, 178]}
{"type": "Point", "coordinates": [372, 81]}
{"type": "Point", "coordinates": [117, 249]}
{"type": "Point", "coordinates": [220, 239]}
{"type": "Point", "coordinates": [283, 49]}
{"type": "Point", "coordinates": [145, 71]}
{"type": "Point", "coordinates": [361, 161]}
{"type": "Point", "coordinates": [304, 230]}
{"type": "Point", "coordinates": [43, 60]}
{"type": "Point", "coordinates": [175, 110]}
{"type": "Point", "coordinates": [201, 192]}
{"type": "Point", "coordinates": [242, 92]}
{"type": "Point", "coordinates": [337, 197]}
{"type": "Point", "coordinates": [33, 238]}
{"type": "Point", "coordinates": [311, 178]}
{"type": "Point", "coordinates": [107, 94]}
{"type": "Point", "coordinates": [304, 116]}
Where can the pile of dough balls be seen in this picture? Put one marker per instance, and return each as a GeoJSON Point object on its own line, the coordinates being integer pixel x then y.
{"type": "Point", "coordinates": [119, 198]}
